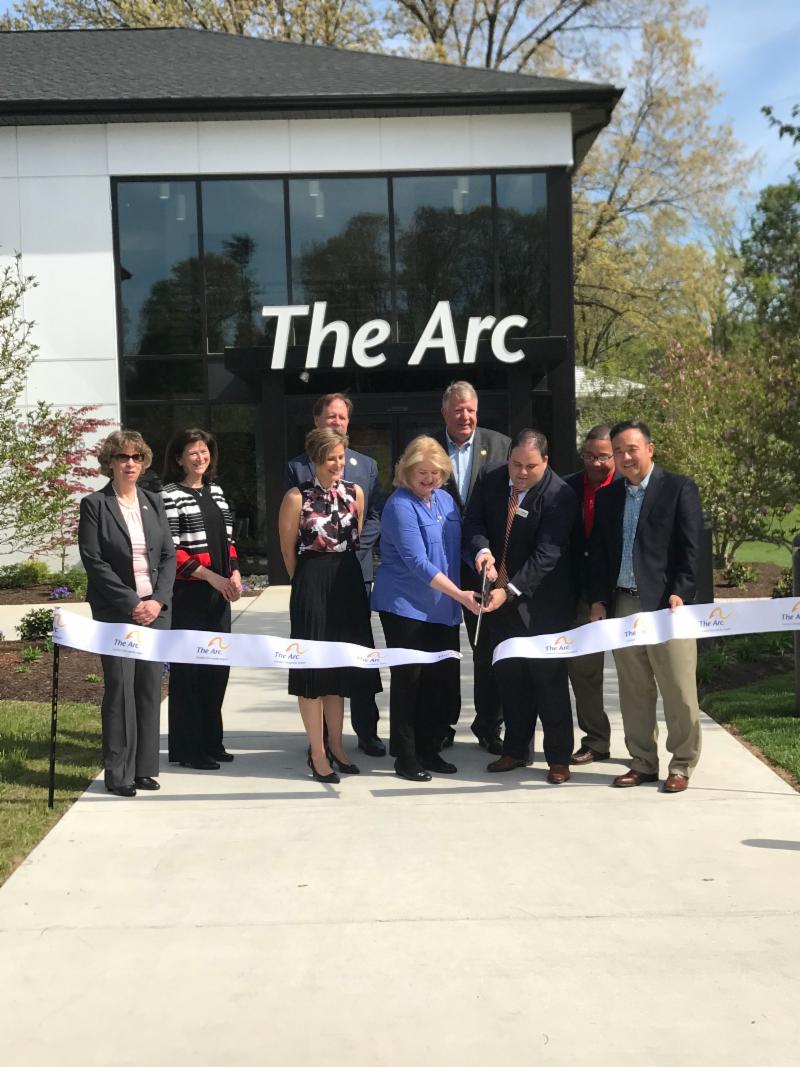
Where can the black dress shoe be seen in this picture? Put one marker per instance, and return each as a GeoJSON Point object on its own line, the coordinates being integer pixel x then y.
{"type": "Point", "coordinates": [121, 790]}
{"type": "Point", "coordinates": [492, 742]}
{"type": "Point", "coordinates": [372, 746]}
{"type": "Point", "coordinates": [200, 764]}
{"type": "Point", "coordinates": [343, 768]}
{"type": "Point", "coordinates": [146, 783]}
{"type": "Point", "coordinates": [327, 779]}
{"type": "Point", "coordinates": [588, 755]}
{"type": "Point", "coordinates": [411, 774]}
{"type": "Point", "coordinates": [436, 763]}
{"type": "Point", "coordinates": [223, 756]}
{"type": "Point", "coordinates": [449, 738]}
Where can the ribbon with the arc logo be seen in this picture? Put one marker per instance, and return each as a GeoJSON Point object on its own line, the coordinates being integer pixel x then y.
{"type": "Point", "coordinates": [230, 650]}
{"type": "Point", "coordinates": [655, 627]}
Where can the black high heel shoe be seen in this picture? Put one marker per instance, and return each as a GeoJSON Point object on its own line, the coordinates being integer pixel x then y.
{"type": "Point", "coordinates": [345, 768]}
{"type": "Point", "coordinates": [327, 779]}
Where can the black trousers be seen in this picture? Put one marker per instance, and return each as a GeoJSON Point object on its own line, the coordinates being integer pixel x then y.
{"type": "Point", "coordinates": [488, 719]}
{"type": "Point", "coordinates": [531, 689]}
{"type": "Point", "coordinates": [363, 708]}
{"type": "Point", "coordinates": [130, 717]}
{"type": "Point", "coordinates": [196, 692]}
{"type": "Point", "coordinates": [422, 695]}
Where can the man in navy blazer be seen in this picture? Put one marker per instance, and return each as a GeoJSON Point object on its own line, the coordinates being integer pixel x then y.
{"type": "Point", "coordinates": [644, 554]}
{"type": "Point", "coordinates": [335, 410]}
{"type": "Point", "coordinates": [472, 450]}
{"type": "Point", "coordinates": [519, 521]}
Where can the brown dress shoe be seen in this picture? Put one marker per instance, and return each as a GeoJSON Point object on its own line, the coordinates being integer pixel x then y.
{"type": "Point", "coordinates": [558, 774]}
{"type": "Point", "coordinates": [588, 755]}
{"type": "Point", "coordinates": [629, 778]}
{"type": "Point", "coordinates": [505, 763]}
{"type": "Point", "coordinates": [676, 783]}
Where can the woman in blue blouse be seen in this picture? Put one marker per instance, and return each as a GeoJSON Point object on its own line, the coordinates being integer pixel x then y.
{"type": "Point", "coordinates": [417, 594]}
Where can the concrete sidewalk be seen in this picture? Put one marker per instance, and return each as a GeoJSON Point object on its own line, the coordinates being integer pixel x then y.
{"type": "Point", "coordinates": [252, 916]}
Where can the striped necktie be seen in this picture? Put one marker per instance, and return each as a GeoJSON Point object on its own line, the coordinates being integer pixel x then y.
{"type": "Point", "coordinates": [502, 571]}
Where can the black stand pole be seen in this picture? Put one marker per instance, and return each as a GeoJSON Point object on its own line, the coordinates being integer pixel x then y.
{"type": "Point", "coordinates": [53, 728]}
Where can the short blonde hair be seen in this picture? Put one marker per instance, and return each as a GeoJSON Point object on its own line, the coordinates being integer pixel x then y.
{"type": "Point", "coordinates": [422, 450]}
{"type": "Point", "coordinates": [114, 442]}
{"type": "Point", "coordinates": [322, 441]}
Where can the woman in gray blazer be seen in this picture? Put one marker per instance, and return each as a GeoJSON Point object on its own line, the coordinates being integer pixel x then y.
{"type": "Point", "coordinates": [127, 550]}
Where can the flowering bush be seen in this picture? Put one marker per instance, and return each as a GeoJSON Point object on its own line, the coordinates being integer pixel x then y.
{"type": "Point", "coordinates": [61, 592]}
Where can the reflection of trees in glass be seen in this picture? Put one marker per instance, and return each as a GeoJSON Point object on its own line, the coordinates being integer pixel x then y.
{"type": "Point", "coordinates": [350, 270]}
{"type": "Point", "coordinates": [445, 256]}
{"type": "Point", "coordinates": [523, 266]}
{"type": "Point", "coordinates": [170, 319]}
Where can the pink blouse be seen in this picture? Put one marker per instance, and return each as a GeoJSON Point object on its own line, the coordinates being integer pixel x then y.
{"type": "Point", "coordinates": [141, 564]}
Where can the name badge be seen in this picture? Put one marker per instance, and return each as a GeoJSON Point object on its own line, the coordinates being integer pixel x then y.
{"type": "Point", "coordinates": [521, 513]}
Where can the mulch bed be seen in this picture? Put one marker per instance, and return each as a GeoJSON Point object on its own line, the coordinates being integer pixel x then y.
{"type": "Point", "coordinates": [35, 682]}
{"type": "Point", "coordinates": [767, 574]}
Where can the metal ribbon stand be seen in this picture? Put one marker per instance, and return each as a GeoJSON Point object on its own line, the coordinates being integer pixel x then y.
{"type": "Point", "coordinates": [53, 728]}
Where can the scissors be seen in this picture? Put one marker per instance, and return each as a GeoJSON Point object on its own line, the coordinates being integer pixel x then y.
{"type": "Point", "coordinates": [485, 591]}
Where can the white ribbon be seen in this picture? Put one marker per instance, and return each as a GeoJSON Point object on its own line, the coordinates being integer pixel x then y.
{"type": "Point", "coordinates": [230, 650]}
{"type": "Point", "coordinates": [654, 627]}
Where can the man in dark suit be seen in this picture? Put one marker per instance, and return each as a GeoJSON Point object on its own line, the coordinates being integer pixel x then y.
{"type": "Point", "coordinates": [586, 672]}
{"type": "Point", "coordinates": [335, 410]}
{"type": "Point", "coordinates": [519, 522]}
{"type": "Point", "coordinates": [644, 553]}
{"type": "Point", "coordinates": [473, 449]}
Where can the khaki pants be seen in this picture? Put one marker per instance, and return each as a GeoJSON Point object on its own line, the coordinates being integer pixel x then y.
{"type": "Point", "coordinates": [586, 676]}
{"type": "Point", "coordinates": [671, 666]}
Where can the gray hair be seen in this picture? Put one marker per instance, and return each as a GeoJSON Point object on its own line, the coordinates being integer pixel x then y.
{"type": "Point", "coordinates": [457, 390]}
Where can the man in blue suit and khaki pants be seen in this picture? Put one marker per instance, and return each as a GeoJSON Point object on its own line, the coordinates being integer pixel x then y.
{"type": "Point", "coordinates": [334, 410]}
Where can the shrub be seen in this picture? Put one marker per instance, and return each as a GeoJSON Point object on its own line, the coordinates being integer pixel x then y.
{"type": "Point", "coordinates": [784, 586]}
{"type": "Point", "coordinates": [36, 625]}
{"type": "Point", "coordinates": [22, 575]}
{"type": "Point", "coordinates": [75, 580]}
{"type": "Point", "coordinates": [31, 654]}
{"type": "Point", "coordinates": [738, 574]}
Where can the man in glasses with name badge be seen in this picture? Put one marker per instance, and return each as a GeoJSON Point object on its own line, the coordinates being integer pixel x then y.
{"type": "Point", "coordinates": [586, 672]}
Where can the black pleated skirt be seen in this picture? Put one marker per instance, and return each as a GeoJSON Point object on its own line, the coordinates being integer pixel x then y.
{"type": "Point", "coordinates": [329, 603]}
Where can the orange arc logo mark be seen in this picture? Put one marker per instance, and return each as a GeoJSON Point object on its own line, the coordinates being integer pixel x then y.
{"type": "Point", "coordinates": [57, 619]}
{"type": "Point", "coordinates": [563, 640]}
{"type": "Point", "coordinates": [295, 647]}
{"type": "Point", "coordinates": [641, 624]}
{"type": "Point", "coordinates": [133, 635]}
{"type": "Point", "coordinates": [718, 613]}
{"type": "Point", "coordinates": [219, 643]}
{"type": "Point", "coordinates": [795, 607]}
{"type": "Point", "coordinates": [375, 655]}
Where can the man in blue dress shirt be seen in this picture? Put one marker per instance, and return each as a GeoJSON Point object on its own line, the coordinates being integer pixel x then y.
{"type": "Point", "coordinates": [335, 410]}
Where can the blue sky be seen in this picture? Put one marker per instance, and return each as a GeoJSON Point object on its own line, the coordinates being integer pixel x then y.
{"type": "Point", "coordinates": [752, 49]}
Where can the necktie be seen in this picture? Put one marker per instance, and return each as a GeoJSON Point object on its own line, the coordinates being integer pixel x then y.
{"type": "Point", "coordinates": [502, 571]}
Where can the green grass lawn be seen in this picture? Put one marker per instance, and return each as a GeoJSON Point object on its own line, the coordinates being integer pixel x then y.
{"type": "Point", "coordinates": [763, 714]}
{"type": "Point", "coordinates": [758, 552]}
{"type": "Point", "coordinates": [24, 757]}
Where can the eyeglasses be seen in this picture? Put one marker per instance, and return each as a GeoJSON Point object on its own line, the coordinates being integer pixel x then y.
{"type": "Point", "coordinates": [123, 457]}
{"type": "Point", "coordinates": [591, 458]}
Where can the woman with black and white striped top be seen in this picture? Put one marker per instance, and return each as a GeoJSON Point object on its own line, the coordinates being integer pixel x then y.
{"type": "Point", "coordinates": [207, 581]}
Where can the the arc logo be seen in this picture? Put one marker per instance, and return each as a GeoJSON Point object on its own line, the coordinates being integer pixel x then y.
{"type": "Point", "coordinates": [133, 635]}
{"type": "Point", "coordinates": [375, 659]}
{"type": "Point", "coordinates": [58, 620]}
{"type": "Point", "coordinates": [792, 616]}
{"type": "Point", "coordinates": [295, 647]}
{"type": "Point", "coordinates": [219, 643]}
{"type": "Point", "coordinates": [561, 644]}
{"type": "Point", "coordinates": [717, 619]}
{"type": "Point", "coordinates": [293, 654]}
{"type": "Point", "coordinates": [131, 642]}
{"type": "Point", "coordinates": [640, 627]}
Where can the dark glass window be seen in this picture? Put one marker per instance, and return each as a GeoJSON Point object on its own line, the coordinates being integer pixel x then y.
{"type": "Point", "coordinates": [443, 238]}
{"type": "Point", "coordinates": [159, 268]}
{"type": "Point", "coordinates": [244, 250]}
{"type": "Point", "coordinates": [154, 379]}
{"type": "Point", "coordinates": [237, 428]}
{"type": "Point", "coordinates": [340, 248]}
{"type": "Point", "coordinates": [158, 422]}
{"type": "Point", "coordinates": [522, 251]}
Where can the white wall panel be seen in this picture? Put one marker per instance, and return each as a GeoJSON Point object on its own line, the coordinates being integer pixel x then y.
{"type": "Point", "coordinates": [521, 140]}
{"type": "Point", "coordinates": [10, 238]}
{"type": "Point", "coordinates": [153, 148]}
{"type": "Point", "coordinates": [419, 143]}
{"type": "Point", "coordinates": [62, 150]}
{"type": "Point", "coordinates": [66, 243]}
{"type": "Point", "coordinates": [243, 147]}
{"type": "Point", "coordinates": [8, 152]}
{"type": "Point", "coordinates": [327, 145]}
{"type": "Point", "coordinates": [74, 381]}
